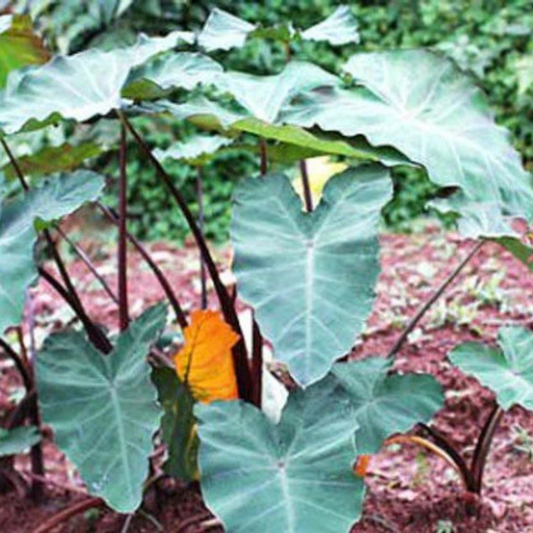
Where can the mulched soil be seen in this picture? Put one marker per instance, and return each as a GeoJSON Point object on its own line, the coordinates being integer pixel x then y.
{"type": "Point", "coordinates": [408, 490]}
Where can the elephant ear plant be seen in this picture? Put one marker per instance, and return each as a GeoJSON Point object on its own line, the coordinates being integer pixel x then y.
{"type": "Point", "coordinates": [308, 272]}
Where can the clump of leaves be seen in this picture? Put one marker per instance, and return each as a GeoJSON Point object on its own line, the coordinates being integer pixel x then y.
{"type": "Point", "coordinates": [308, 270]}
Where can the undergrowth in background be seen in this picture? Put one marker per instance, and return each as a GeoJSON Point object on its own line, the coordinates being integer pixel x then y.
{"type": "Point", "coordinates": [489, 39]}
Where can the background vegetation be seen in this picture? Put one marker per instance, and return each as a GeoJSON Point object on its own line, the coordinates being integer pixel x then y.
{"type": "Point", "coordinates": [490, 39]}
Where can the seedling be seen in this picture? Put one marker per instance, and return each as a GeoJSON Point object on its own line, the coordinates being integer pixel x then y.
{"type": "Point", "coordinates": [508, 372]}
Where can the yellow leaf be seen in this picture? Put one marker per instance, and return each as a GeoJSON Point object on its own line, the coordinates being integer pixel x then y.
{"type": "Point", "coordinates": [205, 361]}
{"type": "Point", "coordinates": [320, 169]}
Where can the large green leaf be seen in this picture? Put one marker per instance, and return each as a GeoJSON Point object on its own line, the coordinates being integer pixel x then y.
{"type": "Point", "coordinates": [183, 70]}
{"type": "Point", "coordinates": [421, 104]}
{"type": "Point", "coordinates": [77, 87]}
{"type": "Point", "coordinates": [18, 440]}
{"type": "Point", "coordinates": [386, 404]}
{"type": "Point", "coordinates": [56, 198]}
{"type": "Point", "coordinates": [53, 159]}
{"type": "Point", "coordinates": [294, 476]}
{"type": "Point", "coordinates": [177, 425]}
{"type": "Point", "coordinates": [292, 143]}
{"type": "Point", "coordinates": [102, 408]}
{"type": "Point", "coordinates": [310, 276]}
{"type": "Point", "coordinates": [507, 370]}
{"type": "Point", "coordinates": [19, 45]}
{"type": "Point", "coordinates": [338, 29]}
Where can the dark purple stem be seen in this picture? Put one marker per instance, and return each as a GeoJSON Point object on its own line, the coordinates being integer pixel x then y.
{"type": "Point", "coordinates": [436, 295]}
{"type": "Point", "coordinates": [240, 357]}
{"type": "Point", "coordinates": [483, 445]}
{"type": "Point", "coordinates": [124, 318]}
{"type": "Point", "coordinates": [163, 281]}
{"type": "Point", "coordinates": [201, 227]}
{"type": "Point", "coordinates": [88, 263]}
{"type": "Point", "coordinates": [308, 198]}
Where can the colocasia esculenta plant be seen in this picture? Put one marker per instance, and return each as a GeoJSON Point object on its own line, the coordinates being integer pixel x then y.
{"type": "Point", "coordinates": [308, 271]}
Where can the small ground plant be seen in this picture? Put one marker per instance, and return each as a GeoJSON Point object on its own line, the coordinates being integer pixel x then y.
{"type": "Point", "coordinates": [307, 265]}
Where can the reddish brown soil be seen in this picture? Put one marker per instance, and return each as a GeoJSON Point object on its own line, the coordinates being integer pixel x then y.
{"type": "Point", "coordinates": [409, 491]}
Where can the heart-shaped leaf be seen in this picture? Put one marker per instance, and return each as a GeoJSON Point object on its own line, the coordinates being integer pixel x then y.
{"type": "Point", "coordinates": [294, 476]}
{"type": "Point", "coordinates": [310, 276]}
{"type": "Point", "coordinates": [18, 440]}
{"type": "Point", "coordinates": [507, 370]}
{"type": "Point", "coordinates": [386, 404]}
{"type": "Point", "coordinates": [103, 408]}
{"type": "Point", "coordinates": [19, 45]}
{"type": "Point", "coordinates": [56, 198]}
{"type": "Point", "coordinates": [421, 104]}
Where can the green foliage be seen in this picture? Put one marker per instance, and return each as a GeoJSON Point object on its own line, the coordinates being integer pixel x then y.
{"type": "Point", "coordinates": [294, 476]}
{"type": "Point", "coordinates": [177, 424]}
{"type": "Point", "coordinates": [310, 276]}
{"type": "Point", "coordinates": [385, 404]}
{"type": "Point", "coordinates": [102, 408]}
{"type": "Point", "coordinates": [19, 220]}
{"type": "Point", "coordinates": [507, 371]}
{"type": "Point", "coordinates": [297, 269]}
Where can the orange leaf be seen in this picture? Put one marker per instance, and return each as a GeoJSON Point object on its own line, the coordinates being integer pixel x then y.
{"type": "Point", "coordinates": [361, 466]}
{"type": "Point", "coordinates": [205, 361]}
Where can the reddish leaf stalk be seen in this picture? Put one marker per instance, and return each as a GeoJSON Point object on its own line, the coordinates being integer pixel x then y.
{"type": "Point", "coordinates": [240, 357]}
{"type": "Point", "coordinates": [436, 295]}
{"type": "Point", "coordinates": [308, 197]}
{"type": "Point", "coordinates": [201, 227]}
{"type": "Point", "coordinates": [95, 334]}
{"type": "Point", "coordinates": [89, 264]}
{"type": "Point", "coordinates": [484, 443]}
{"type": "Point", "coordinates": [163, 281]}
{"type": "Point", "coordinates": [124, 318]}
{"type": "Point", "coordinates": [74, 300]}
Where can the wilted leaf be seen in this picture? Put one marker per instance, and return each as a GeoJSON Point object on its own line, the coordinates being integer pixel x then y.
{"type": "Point", "coordinates": [205, 362]}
